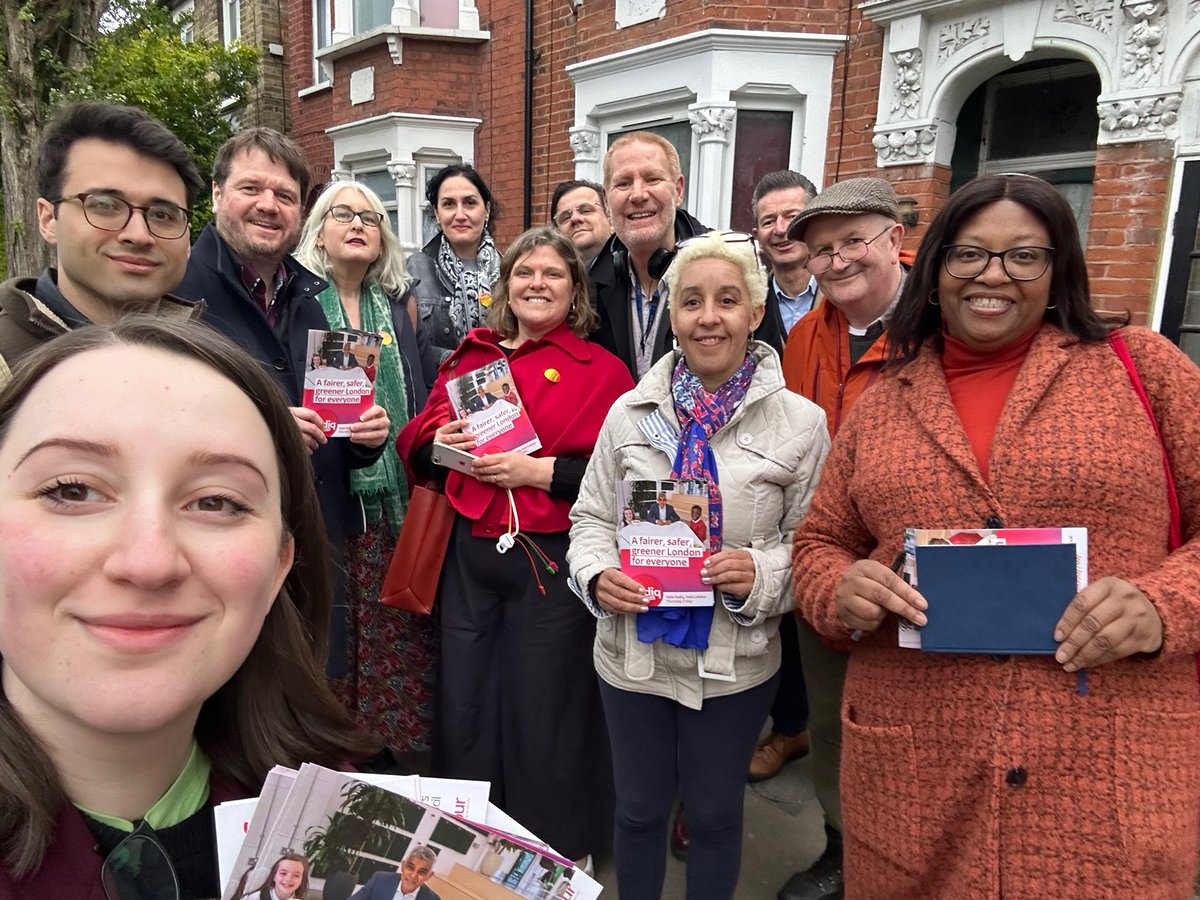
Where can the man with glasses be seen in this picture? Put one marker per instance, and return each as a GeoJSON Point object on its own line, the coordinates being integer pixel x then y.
{"type": "Point", "coordinates": [115, 188]}
{"type": "Point", "coordinates": [579, 211]}
{"type": "Point", "coordinates": [833, 354]}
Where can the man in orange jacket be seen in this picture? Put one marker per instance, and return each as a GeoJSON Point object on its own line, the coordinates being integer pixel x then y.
{"type": "Point", "coordinates": [832, 355]}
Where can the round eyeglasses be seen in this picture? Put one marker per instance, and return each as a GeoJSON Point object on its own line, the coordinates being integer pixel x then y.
{"type": "Point", "coordinates": [967, 261]}
{"type": "Point", "coordinates": [139, 867]}
{"type": "Point", "coordinates": [345, 215]}
{"type": "Point", "coordinates": [851, 251]}
{"type": "Point", "coordinates": [109, 212]}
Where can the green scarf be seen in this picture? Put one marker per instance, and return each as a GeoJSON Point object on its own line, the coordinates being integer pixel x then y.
{"type": "Point", "coordinates": [380, 486]}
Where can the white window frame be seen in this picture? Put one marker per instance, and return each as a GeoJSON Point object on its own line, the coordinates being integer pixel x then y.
{"type": "Point", "coordinates": [322, 37]}
{"type": "Point", "coordinates": [707, 77]}
{"type": "Point", "coordinates": [231, 21]}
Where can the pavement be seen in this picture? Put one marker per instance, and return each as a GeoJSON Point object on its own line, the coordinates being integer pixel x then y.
{"type": "Point", "coordinates": [783, 832]}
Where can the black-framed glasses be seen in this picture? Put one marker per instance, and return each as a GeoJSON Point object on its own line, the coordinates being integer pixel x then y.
{"type": "Point", "coordinates": [109, 212]}
{"type": "Point", "coordinates": [851, 251]}
{"type": "Point", "coordinates": [345, 215]}
{"type": "Point", "coordinates": [584, 209]}
{"type": "Point", "coordinates": [138, 868]}
{"type": "Point", "coordinates": [967, 261]}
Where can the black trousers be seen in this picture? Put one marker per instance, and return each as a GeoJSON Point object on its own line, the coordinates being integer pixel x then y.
{"type": "Point", "coordinates": [518, 700]}
{"type": "Point", "coordinates": [658, 744]}
{"type": "Point", "coordinates": [789, 712]}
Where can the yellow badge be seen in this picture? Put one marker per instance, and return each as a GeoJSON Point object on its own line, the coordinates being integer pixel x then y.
{"type": "Point", "coordinates": [552, 376]}
{"type": "Point", "coordinates": [485, 299]}
{"type": "Point", "coordinates": [387, 338]}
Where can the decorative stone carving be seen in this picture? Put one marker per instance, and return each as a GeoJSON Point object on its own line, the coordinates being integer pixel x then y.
{"type": "Point", "coordinates": [712, 123]}
{"type": "Point", "coordinates": [631, 12]}
{"type": "Point", "coordinates": [340, 175]}
{"type": "Point", "coordinates": [1140, 118]}
{"type": "Point", "coordinates": [907, 83]}
{"type": "Point", "coordinates": [403, 173]}
{"type": "Point", "coordinates": [1142, 57]}
{"type": "Point", "coordinates": [585, 143]}
{"type": "Point", "coordinates": [909, 146]}
{"type": "Point", "coordinates": [1193, 7]}
{"type": "Point", "coordinates": [956, 35]}
{"type": "Point", "coordinates": [1098, 14]}
{"type": "Point", "coordinates": [362, 85]}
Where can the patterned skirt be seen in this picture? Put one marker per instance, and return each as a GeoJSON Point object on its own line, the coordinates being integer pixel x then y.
{"type": "Point", "coordinates": [390, 686]}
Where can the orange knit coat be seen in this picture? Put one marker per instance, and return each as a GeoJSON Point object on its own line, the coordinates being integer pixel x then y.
{"type": "Point", "coordinates": [981, 777]}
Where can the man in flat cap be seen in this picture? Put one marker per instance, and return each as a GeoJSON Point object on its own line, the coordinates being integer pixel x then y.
{"type": "Point", "coordinates": [833, 354]}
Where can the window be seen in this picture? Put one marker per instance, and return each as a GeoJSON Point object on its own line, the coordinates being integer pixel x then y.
{"type": "Point", "coordinates": [439, 13]}
{"type": "Point", "coordinates": [231, 13]}
{"type": "Point", "coordinates": [370, 14]}
{"type": "Point", "coordinates": [763, 144]}
{"type": "Point", "coordinates": [322, 36]}
{"type": "Point", "coordinates": [382, 183]}
{"type": "Point", "coordinates": [1181, 303]}
{"type": "Point", "coordinates": [679, 135]}
{"type": "Point", "coordinates": [185, 15]}
{"type": "Point", "coordinates": [1039, 119]}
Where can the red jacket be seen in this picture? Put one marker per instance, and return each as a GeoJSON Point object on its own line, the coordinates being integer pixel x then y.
{"type": "Point", "coordinates": [567, 385]}
{"type": "Point", "coordinates": [816, 360]}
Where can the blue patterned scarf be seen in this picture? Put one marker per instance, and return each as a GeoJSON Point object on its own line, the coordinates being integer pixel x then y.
{"type": "Point", "coordinates": [701, 415]}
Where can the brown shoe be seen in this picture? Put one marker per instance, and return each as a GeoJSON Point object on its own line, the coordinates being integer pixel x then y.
{"type": "Point", "coordinates": [774, 751]}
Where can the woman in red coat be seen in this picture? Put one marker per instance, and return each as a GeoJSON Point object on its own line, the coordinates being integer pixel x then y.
{"type": "Point", "coordinates": [518, 701]}
{"type": "Point", "coordinates": [1015, 776]}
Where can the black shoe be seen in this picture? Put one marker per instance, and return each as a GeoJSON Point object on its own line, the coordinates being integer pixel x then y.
{"type": "Point", "coordinates": [823, 879]}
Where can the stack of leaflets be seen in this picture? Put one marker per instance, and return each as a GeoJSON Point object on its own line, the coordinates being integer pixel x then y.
{"type": "Point", "coordinates": [487, 398]}
{"type": "Point", "coordinates": [997, 591]}
{"type": "Point", "coordinates": [339, 376]}
{"type": "Point", "coordinates": [354, 828]}
{"type": "Point", "coordinates": [662, 535]}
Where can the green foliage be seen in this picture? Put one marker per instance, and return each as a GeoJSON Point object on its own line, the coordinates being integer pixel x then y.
{"type": "Point", "coordinates": [143, 62]}
{"type": "Point", "coordinates": [355, 828]}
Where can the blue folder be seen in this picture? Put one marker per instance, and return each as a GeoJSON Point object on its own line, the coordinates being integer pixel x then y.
{"type": "Point", "coordinates": [994, 598]}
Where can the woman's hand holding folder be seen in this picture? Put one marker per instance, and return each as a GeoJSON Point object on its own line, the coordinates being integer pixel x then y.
{"type": "Point", "coordinates": [1109, 619]}
{"type": "Point", "coordinates": [870, 590]}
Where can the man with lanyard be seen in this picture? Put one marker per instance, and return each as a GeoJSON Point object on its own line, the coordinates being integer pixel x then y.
{"type": "Point", "coordinates": [833, 354]}
{"type": "Point", "coordinates": [265, 301]}
{"type": "Point", "coordinates": [644, 187]}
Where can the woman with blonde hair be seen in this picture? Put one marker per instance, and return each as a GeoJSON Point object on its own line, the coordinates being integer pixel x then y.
{"type": "Point", "coordinates": [348, 240]}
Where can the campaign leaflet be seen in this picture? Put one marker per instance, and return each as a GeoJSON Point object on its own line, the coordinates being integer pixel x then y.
{"type": "Point", "coordinates": [487, 398]}
{"type": "Point", "coordinates": [910, 634]}
{"type": "Point", "coordinates": [354, 836]}
{"type": "Point", "coordinates": [339, 376]}
{"type": "Point", "coordinates": [662, 534]}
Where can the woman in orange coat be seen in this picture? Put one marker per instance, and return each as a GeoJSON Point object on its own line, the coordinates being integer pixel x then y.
{"type": "Point", "coordinates": [982, 776]}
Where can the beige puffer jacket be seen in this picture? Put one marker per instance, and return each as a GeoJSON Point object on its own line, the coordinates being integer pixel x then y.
{"type": "Point", "coordinates": [768, 458]}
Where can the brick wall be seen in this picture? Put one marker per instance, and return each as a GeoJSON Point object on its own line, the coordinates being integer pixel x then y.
{"type": "Point", "coordinates": [487, 81]}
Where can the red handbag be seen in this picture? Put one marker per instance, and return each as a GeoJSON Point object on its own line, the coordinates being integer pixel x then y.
{"type": "Point", "coordinates": [412, 577]}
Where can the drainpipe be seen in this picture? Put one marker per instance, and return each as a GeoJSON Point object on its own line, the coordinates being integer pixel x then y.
{"type": "Point", "coordinates": [529, 62]}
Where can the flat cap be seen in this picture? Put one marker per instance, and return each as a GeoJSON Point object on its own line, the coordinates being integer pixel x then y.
{"type": "Point", "coordinates": [851, 197]}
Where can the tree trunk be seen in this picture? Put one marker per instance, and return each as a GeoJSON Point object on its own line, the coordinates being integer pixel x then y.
{"type": "Point", "coordinates": [41, 38]}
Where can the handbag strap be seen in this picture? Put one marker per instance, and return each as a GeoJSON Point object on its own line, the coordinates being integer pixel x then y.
{"type": "Point", "coordinates": [1175, 530]}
